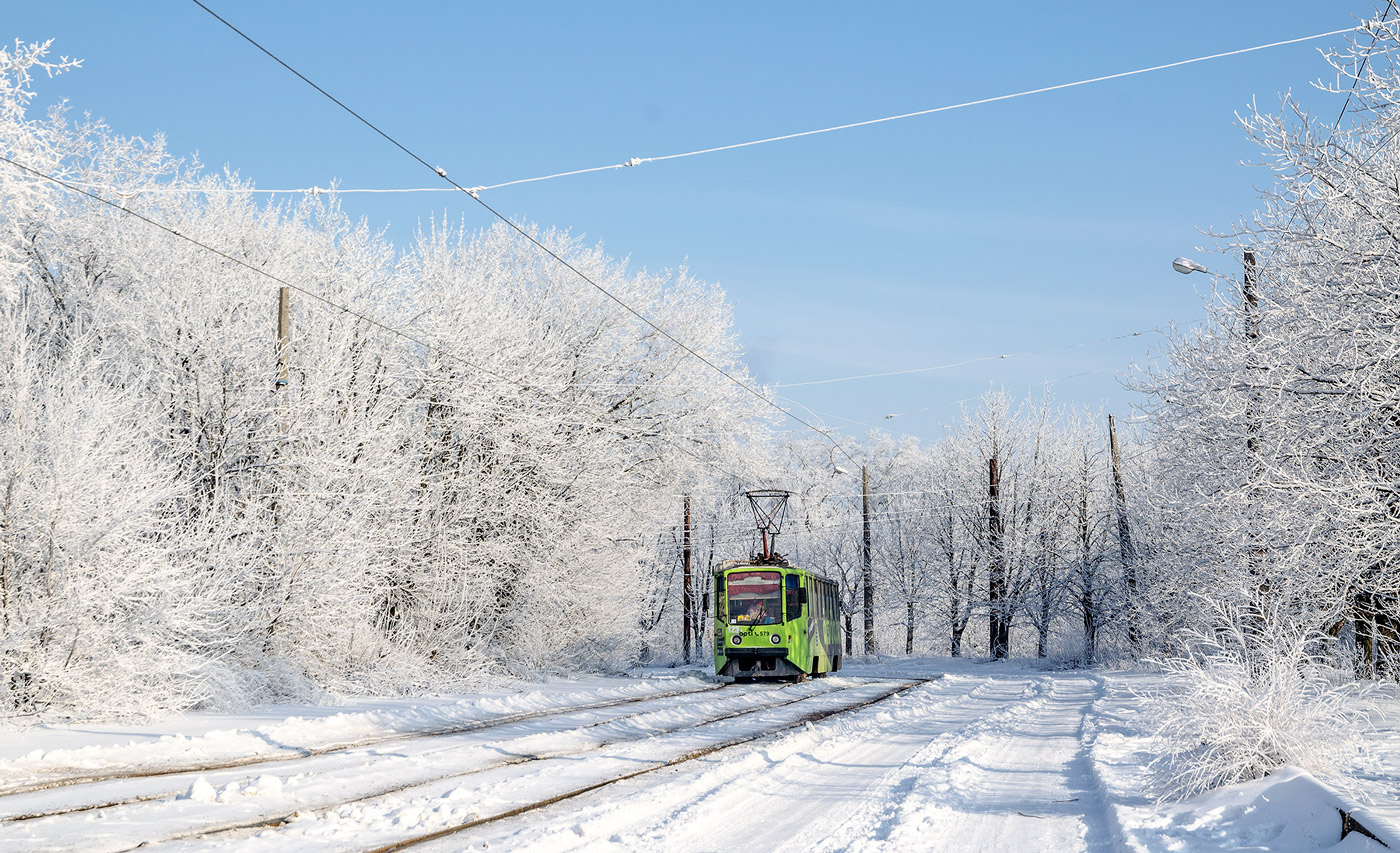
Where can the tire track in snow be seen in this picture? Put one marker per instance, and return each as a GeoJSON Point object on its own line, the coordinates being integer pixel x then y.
{"type": "Point", "coordinates": [665, 814]}
{"type": "Point", "coordinates": [877, 817]}
{"type": "Point", "coordinates": [1027, 777]}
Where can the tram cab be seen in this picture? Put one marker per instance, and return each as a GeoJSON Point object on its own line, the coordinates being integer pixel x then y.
{"type": "Point", "coordinates": [775, 621]}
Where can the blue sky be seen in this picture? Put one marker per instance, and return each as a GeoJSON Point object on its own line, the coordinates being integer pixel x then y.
{"type": "Point", "coordinates": [1005, 228]}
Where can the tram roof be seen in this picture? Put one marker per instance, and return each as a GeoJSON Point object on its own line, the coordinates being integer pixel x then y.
{"type": "Point", "coordinates": [774, 566]}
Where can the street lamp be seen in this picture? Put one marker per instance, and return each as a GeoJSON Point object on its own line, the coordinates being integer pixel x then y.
{"type": "Point", "coordinates": [1186, 266]}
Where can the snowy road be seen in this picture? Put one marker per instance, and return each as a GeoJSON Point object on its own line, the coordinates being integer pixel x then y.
{"type": "Point", "coordinates": [910, 757]}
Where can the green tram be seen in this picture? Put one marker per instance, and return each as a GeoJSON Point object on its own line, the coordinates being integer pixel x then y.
{"type": "Point", "coordinates": [775, 621]}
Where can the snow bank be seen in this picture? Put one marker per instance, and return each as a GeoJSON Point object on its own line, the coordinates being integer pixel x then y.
{"type": "Point", "coordinates": [1286, 810]}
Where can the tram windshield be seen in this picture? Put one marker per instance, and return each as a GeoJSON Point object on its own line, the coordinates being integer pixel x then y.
{"type": "Point", "coordinates": [755, 598]}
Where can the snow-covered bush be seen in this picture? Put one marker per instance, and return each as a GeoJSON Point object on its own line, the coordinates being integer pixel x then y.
{"type": "Point", "coordinates": [1239, 704]}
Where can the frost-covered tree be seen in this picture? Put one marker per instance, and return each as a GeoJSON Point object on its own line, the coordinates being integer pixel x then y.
{"type": "Point", "coordinates": [1276, 422]}
{"type": "Point", "coordinates": [464, 465]}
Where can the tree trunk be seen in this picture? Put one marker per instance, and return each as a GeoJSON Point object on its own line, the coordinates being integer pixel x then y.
{"type": "Point", "coordinates": [999, 630]}
{"type": "Point", "coordinates": [1125, 539]}
{"type": "Point", "coordinates": [909, 627]}
{"type": "Point", "coordinates": [1086, 572]}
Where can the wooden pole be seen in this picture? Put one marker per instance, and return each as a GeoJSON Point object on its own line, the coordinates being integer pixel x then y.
{"type": "Point", "coordinates": [284, 359]}
{"type": "Point", "coordinates": [867, 575]}
{"type": "Point", "coordinates": [1255, 562]}
{"type": "Point", "coordinates": [1125, 539]}
{"type": "Point", "coordinates": [687, 609]}
{"type": "Point", "coordinates": [707, 604]}
{"type": "Point", "coordinates": [284, 337]}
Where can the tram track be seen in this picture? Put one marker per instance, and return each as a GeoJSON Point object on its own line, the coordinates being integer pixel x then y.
{"type": "Point", "coordinates": [658, 764]}
{"type": "Point", "coordinates": [497, 723]}
{"type": "Point", "coordinates": [741, 704]}
{"type": "Point", "coordinates": [254, 761]}
{"type": "Point", "coordinates": [280, 819]}
{"type": "Point", "coordinates": [282, 762]}
{"type": "Point", "coordinates": [231, 831]}
{"type": "Point", "coordinates": [703, 794]}
{"type": "Point", "coordinates": [964, 763]}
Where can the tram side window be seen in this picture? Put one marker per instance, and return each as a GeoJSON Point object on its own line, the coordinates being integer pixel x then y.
{"type": "Point", "coordinates": [719, 596]}
{"type": "Point", "coordinates": [791, 596]}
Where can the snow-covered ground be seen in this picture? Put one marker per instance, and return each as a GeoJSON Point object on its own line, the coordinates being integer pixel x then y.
{"type": "Point", "coordinates": [907, 755]}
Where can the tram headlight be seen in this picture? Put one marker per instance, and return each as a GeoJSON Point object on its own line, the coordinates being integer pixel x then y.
{"type": "Point", "coordinates": [737, 638]}
{"type": "Point", "coordinates": [774, 639]}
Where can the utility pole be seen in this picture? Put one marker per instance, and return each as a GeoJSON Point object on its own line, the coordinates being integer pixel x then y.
{"type": "Point", "coordinates": [867, 576]}
{"type": "Point", "coordinates": [1255, 561]}
{"type": "Point", "coordinates": [999, 631]}
{"type": "Point", "coordinates": [1125, 539]}
{"type": "Point", "coordinates": [284, 337]}
{"type": "Point", "coordinates": [707, 605]}
{"type": "Point", "coordinates": [686, 605]}
{"type": "Point", "coordinates": [284, 366]}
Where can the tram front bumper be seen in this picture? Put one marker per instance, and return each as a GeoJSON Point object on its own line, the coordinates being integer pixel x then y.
{"type": "Point", "coordinates": [758, 662]}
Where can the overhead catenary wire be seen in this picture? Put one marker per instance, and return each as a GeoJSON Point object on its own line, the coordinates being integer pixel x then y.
{"type": "Point", "coordinates": [883, 496]}
{"type": "Point", "coordinates": [1361, 69]}
{"type": "Point", "coordinates": [474, 191]}
{"type": "Point", "coordinates": [1044, 383]}
{"type": "Point", "coordinates": [655, 383]}
{"type": "Point", "coordinates": [938, 367]}
{"type": "Point", "coordinates": [442, 173]}
{"type": "Point", "coordinates": [729, 531]}
{"type": "Point", "coordinates": [455, 186]}
{"type": "Point", "coordinates": [632, 162]}
{"type": "Point", "coordinates": [738, 530]}
{"type": "Point", "coordinates": [446, 354]}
